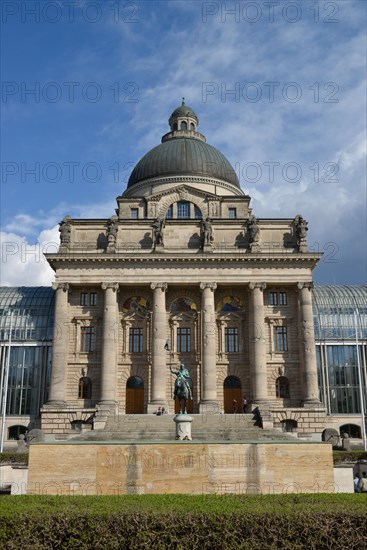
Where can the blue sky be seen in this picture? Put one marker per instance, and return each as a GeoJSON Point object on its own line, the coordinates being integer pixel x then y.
{"type": "Point", "coordinates": [280, 89]}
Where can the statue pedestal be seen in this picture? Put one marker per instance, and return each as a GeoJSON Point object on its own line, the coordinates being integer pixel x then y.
{"type": "Point", "coordinates": [183, 427]}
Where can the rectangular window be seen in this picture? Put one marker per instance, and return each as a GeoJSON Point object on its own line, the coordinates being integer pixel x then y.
{"type": "Point", "coordinates": [84, 299]}
{"type": "Point", "coordinates": [231, 339]}
{"type": "Point", "coordinates": [136, 340]}
{"type": "Point", "coordinates": [87, 339]}
{"type": "Point", "coordinates": [232, 213]}
{"type": "Point", "coordinates": [280, 338]}
{"type": "Point", "coordinates": [183, 210]}
{"type": "Point", "coordinates": [134, 213]}
{"type": "Point", "coordinates": [273, 296]}
{"type": "Point", "coordinates": [282, 298]}
{"type": "Point", "coordinates": [88, 299]}
{"type": "Point", "coordinates": [183, 340]}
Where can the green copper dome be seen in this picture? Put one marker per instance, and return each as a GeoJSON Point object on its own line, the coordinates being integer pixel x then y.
{"type": "Point", "coordinates": [183, 152]}
{"type": "Point", "coordinates": [184, 156]}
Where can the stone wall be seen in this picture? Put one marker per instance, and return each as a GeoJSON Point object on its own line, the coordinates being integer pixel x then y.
{"type": "Point", "coordinates": [192, 468]}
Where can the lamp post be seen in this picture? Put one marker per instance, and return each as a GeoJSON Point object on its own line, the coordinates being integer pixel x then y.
{"type": "Point", "coordinates": [360, 383]}
{"type": "Point", "coordinates": [5, 387]}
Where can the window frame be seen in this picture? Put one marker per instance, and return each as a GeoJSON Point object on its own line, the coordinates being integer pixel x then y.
{"type": "Point", "coordinates": [136, 339]}
{"type": "Point", "coordinates": [87, 338]}
{"type": "Point", "coordinates": [231, 339]}
{"type": "Point", "coordinates": [183, 336]}
{"type": "Point", "coordinates": [280, 339]}
{"type": "Point", "coordinates": [85, 388]}
{"type": "Point", "coordinates": [232, 213]}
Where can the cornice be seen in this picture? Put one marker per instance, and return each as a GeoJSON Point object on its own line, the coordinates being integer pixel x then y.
{"type": "Point", "coordinates": [162, 259]}
{"type": "Point", "coordinates": [179, 180]}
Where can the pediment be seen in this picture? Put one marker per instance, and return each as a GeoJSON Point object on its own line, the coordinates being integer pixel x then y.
{"type": "Point", "coordinates": [184, 191]}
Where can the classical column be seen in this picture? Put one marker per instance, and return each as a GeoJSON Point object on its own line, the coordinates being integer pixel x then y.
{"type": "Point", "coordinates": [259, 371]}
{"type": "Point", "coordinates": [60, 345]}
{"type": "Point", "coordinates": [308, 351]}
{"type": "Point", "coordinates": [159, 353]}
{"type": "Point", "coordinates": [208, 347]}
{"type": "Point", "coordinates": [109, 345]}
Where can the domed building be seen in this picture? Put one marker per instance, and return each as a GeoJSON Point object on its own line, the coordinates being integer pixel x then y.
{"type": "Point", "coordinates": [183, 273]}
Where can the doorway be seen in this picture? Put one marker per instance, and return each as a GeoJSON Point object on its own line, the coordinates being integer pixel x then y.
{"type": "Point", "coordinates": [232, 392]}
{"type": "Point", "coordinates": [134, 395]}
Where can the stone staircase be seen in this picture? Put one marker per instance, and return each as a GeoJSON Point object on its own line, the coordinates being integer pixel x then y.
{"type": "Point", "coordinates": [216, 427]}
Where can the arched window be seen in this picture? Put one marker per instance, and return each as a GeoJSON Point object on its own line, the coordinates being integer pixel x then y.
{"type": "Point", "coordinates": [169, 213]}
{"type": "Point", "coordinates": [183, 125]}
{"type": "Point", "coordinates": [351, 429]}
{"type": "Point", "coordinates": [192, 126]}
{"type": "Point", "coordinates": [198, 214]}
{"type": "Point", "coordinates": [85, 388]}
{"type": "Point", "coordinates": [282, 387]}
{"type": "Point", "coordinates": [175, 126]}
{"type": "Point", "coordinates": [289, 425]}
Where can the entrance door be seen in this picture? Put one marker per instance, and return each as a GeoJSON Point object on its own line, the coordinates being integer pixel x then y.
{"type": "Point", "coordinates": [232, 392]}
{"type": "Point", "coordinates": [189, 402]}
{"type": "Point", "coordinates": [134, 395]}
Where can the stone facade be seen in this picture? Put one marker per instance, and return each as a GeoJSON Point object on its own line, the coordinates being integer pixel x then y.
{"type": "Point", "coordinates": [183, 272]}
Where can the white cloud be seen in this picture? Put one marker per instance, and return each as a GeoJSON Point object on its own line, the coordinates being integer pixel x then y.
{"type": "Point", "coordinates": [23, 262]}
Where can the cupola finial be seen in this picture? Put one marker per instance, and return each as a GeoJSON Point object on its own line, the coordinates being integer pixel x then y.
{"type": "Point", "coordinates": [183, 101]}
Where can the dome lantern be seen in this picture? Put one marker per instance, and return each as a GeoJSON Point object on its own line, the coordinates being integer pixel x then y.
{"type": "Point", "coordinates": [183, 119]}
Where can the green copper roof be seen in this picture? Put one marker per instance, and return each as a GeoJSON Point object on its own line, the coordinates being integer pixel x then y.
{"type": "Point", "coordinates": [184, 156]}
{"type": "Point", "coordinates": [184, 110]}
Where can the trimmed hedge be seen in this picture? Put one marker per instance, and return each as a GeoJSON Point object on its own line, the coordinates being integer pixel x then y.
{"type": "Point", "coordinates": [349, 456]}
{"type": "Point", "coordinates": [18, 458]}
{"type": "Point", "coordinates": [289, 522]}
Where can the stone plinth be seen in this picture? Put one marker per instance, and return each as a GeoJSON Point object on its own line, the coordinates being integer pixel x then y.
{"type": "Point", "coordinates": [176, 467]}
{"type": "Point", "coordinates": [183, 427]}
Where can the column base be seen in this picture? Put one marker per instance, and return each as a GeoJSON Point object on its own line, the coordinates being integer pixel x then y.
{"type": "Point", "coordinates": [153, 406]}
{"type": "Point", "coordinates": [209, 407]}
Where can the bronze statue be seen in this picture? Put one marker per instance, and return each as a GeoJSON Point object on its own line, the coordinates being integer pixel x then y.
{"type": "Point", "coordinates": [182, 386]}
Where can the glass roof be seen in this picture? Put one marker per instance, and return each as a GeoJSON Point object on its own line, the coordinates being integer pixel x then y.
{"type": "Point", "coordinates": [33, 312]}
{"type": "Point", "coordinates": [334, 311]}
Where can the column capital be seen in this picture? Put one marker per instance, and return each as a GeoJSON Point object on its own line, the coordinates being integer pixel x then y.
{"type": "Point", "coordinates": [212, 286]}
{"type": "Point", "coordinates": [63, 286]}
{"type": "Point", "coordinates": [162, 286]}
{"type": "Point", "coordinates": [114, 286]}
{"type": "Point", "coordinates": [261, 286]}
{"type": "Point", "coordinates": [308, 285]}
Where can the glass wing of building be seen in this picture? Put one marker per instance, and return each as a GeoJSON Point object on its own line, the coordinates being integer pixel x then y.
{"type": "Point", "coordinates": [26, 321]}
{"type": "Point", "coordinates": [340, 319]}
